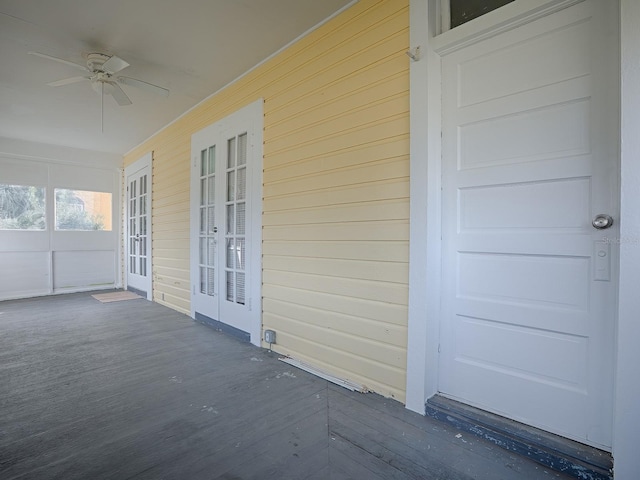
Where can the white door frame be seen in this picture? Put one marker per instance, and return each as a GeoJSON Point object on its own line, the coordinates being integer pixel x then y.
{"type": "Point", "coordinates": [251, 116]}
{"type": "Point", "coordinates": [145, 161]}
{"type": "Point", "coordinates": [425, 203]}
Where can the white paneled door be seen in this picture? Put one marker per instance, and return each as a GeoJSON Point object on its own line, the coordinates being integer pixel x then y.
{"type": "Point", "coordinates": [224, 241]}
{"type": "Point", "coordinates": [138, 236]}
{"type": "Point", "coordinates": [530, 160]}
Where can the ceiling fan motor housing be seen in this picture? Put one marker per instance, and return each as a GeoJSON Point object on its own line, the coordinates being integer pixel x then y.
{"type": "Point", "coordinates": [95, 61]}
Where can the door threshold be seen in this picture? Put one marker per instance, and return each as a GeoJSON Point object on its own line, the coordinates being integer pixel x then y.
{"type": "Point", "coordinates": [554, 452]}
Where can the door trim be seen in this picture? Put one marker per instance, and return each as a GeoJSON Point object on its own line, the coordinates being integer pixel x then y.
{"type": "Point", "coordinates": [424, 284]}
{"type": "Point", "coordinates": [145, 161]}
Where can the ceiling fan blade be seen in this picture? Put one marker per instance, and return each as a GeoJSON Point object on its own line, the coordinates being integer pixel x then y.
{"type": "Point", "coordinates": [119, 95]}
{"type": "Point", "coordinates": [149, 87]}
{"type": "Point", "coordinates": [60, 60]}
{"type": "Point", "coordinates": [67, 81]}
{"type": "Point", "coordinates": [114, 64]}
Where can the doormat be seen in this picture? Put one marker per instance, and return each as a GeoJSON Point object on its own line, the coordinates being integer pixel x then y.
{"type": "Point", "coordinates": [115, 296]}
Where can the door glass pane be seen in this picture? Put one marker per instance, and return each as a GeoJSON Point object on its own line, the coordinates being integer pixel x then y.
{"type": "Point", "coordinates": [240, 253]}
{"type": "Point", "coordinates": [242, 149]}
{"type": "Point", "coordinates": [203, 163]}
{"type": "Point", "coordinates": [231, 153]}
{"type": "Point", "coordinates": [463, 11]}
{"type": "Point", "coordinates": [211, 281]}
{"type": "Point", "coordinates": [231, 186]}
{"type": "Point", "coordinates": [230, 253]}
{"type": "Point", "coordinates": [212, 159]}
{"type": "Point", "coordinates": [240, 288]}
{"type": "Point", "coordinates": [203, 280]}
{"type": "Point", "coordinates": [240, 219]}
{"type": "Point", "coordinates": [203, 220]}
{"type": "Point", "coordinates": [212, 219]}
{"type": "Point", "coordinates": [212, 190]}
{"type": "Point", "coordinates": [230, 219]}
{"type": "Point", "coordinates": [212, 251]}
{"type": "Point", "coordinates": [203, 250]}
{"type": "Point", "coordinates": [203, 191]}
{"type": "Point", "coordinates": [230, 285]}
{"type": "Point", "coordinates": [241, 184]}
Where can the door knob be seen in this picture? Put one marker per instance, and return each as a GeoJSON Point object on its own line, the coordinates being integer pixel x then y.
{"type": "Point", "coordinates": [602, 221]}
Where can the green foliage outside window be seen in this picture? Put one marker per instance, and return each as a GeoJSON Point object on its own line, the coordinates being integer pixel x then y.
{"type": "Point", "coordinates": [22, 207]}
{"type": "Point", "coordinates": [71, 213]}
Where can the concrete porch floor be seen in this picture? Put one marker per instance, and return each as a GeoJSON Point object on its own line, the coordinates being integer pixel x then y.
{"type": "Point", "coordinates": [134, 390]}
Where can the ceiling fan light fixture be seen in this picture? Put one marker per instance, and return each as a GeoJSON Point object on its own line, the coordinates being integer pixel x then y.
{"type": "Point", "coordinates": [98, 85]}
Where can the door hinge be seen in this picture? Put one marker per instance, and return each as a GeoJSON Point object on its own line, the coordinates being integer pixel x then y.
{"type": "Point", "coordinates": [249, 304]}
{"type": "Point", "coordinates": [438, 348]}
{"type": "Point", "coordinates": [193, 290]}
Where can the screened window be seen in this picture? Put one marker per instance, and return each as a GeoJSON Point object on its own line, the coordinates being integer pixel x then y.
{"type": "Point", "coordinates": [82, 210]}
{"type": "Point", "coordinates": [22, 207]}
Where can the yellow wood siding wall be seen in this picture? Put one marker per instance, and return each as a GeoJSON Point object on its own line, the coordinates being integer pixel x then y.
{"type": "Point", "coordinates": [336, 195]}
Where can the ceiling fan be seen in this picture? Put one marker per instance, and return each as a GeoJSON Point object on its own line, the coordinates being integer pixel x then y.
{"type": "Point", "coordinates": [101, 71]}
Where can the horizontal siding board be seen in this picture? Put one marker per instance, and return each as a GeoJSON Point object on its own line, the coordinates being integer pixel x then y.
{"type": "Point", "coordinates": [381, 231]}
{"type": "Point", "coordinates": [396, 167]}
{"type": "Point", "coordinates": [170, 253]}
{"type": "Point", "coordinates": [377, 376]}
{"type": "Point", "coordinates": [376, 102]}
{"type": "Point", "coordinates": [169, 209]}
{"type": "Point", "coordinates": [173, 262]}
{"type": "Point", "coordinates": [172, 273]}
{"type": "Point", "coordinates": [377, 311]}
{"type": "Point", "coordinates": [336, 190]}
{"type": "Point", "coordinates": [376, 130]}
{"type": "Point", "coordinates": [354, 344]}
{"type": "Point", "coordinates": [360, 212]}
{"type": "Point", "coordinates": [370, 153]}
{"type": "Point", "coordinates": [180, 224]}
{"type": "Point", "coordinates": [177, 246]}
{"type": "Point", "coordinates": [162, 199]}
{"type": "Point", "coordinates": [380, 251]}
{"type": "Point", "coordinates": [363, 80]}
{"type": "Point", "coordinates": [381, 332]}
{"type": "Point", "coordinates": [371, 191]}
{"type": "Point", "coordinates": [354, 53]}
{"type": "Point", "coordinates": [334, 126]}
{"type": "Point", "coordinates": [390, 272]}
{"type": "Point", "coordinates": [170, 288]}
{"type": "Point", "coordinates": [357, 288]}
{"type": "Point", "coordinates": [177, 303]}
{"type": "Point", "coordinates": [325, 47]}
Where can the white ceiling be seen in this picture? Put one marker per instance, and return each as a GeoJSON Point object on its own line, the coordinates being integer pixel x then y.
{"type": "Point", "coordinates": [192, 47]}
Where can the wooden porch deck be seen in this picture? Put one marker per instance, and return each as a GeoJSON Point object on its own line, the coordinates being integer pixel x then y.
{"type": "Point", "coordinates": [134, 390]}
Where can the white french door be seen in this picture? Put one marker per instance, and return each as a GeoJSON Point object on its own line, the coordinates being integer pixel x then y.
{"type": "Point", "coordinates": [138, 231]}
{"type": "Point", "coordinates": [530, 160]}
{"type": "Point", "coordinates": [225, 209]}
